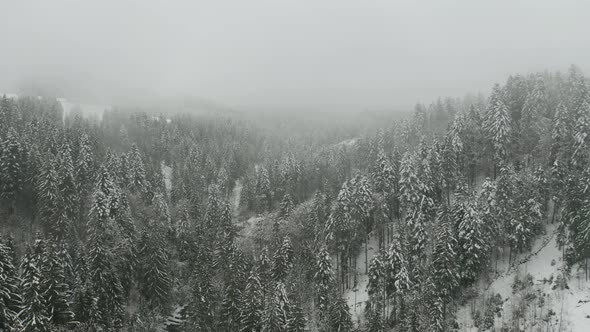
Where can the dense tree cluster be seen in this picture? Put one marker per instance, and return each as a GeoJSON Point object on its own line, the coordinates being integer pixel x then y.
{"type": "Point", "coordinates": [235, 226]}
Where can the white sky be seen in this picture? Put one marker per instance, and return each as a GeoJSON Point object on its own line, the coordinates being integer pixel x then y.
{"type": "Point", "coordinates": [288, 54]}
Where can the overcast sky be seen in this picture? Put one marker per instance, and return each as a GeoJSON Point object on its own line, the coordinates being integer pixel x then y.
{"type": "Point", "coordinates": [283, 54]}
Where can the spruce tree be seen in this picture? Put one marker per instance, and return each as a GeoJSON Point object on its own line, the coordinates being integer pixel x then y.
{"type": "Point", "coordinates": [445, 272]}
{"type": "Point", "coordinates": [295, 316]}
{"type": "Point", "coordinates": [472, 238]}
{"type": "Point", "coordinates": [34, 314]}
{"type": "Point", "coordinates": [56, 288]}
{"type": "Point", "coordinates": [234, 275]}
{"type": "Point", "coordinates": [252, 304]}
{"type": "Point", "coordinates": [282, 260]}
{"type": "Point", "coordinates": [202, 304]}
{"type": "Point", "coordinates": [275, 315]}
{"type": "Point", "coordinates": [105, 282]}
{"type": "Point", "coordinates": [155, 283]}
{"type": "Point", "coordinates": [339, 318]}
{"type": "Point", "coordinates": [48, 193]}
{"type": "Point", "coordinates": [10, 298]}
{"type": "Point", "coordinates": [136, 168]}
{"type": "Point", "coordinates": [324, 279]}
{"type": "Point", "coordinates": [410, 186]}
{"type": "Point", "coordinates": [12, 165]}
{"type": "Point", "coordinates": [286, 206]}
{"type": "Point", "coordinates": [497, 125]}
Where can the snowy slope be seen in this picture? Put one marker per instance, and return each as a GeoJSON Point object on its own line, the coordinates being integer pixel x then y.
{"type": "Point", "coordinates": [544, 264]}
{"type": "Point", "coordinates": [357, 296]}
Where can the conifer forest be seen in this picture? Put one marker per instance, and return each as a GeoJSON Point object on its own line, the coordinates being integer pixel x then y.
{"type": "Point", "coordinates": [465, 214]}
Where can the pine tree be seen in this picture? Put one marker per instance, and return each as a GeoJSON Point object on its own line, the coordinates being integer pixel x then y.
{"type": "Point", "coordinates": [410, 186]}
{"type": "Point", "coordinates": [105, 184]}
{"type": "Point", "coordinates": [6, 113]}
{"type": "Point", "coordinates": [397, 267]}
{"type": "Point", "coordinates": [263, 189]}
{"type": "Point", "coordinates": [105, 282]}
{"type": "Point", "coordinates": [582, 133]}
{"type": "Point", "coordinates": [265, 266]}
{"type": "Point", "coordinates": [252, 304]}
{"type": "Point", "coordinates": [212, 217]}
{"type": "Point", "coordinates": [286, 206]}
{"type": "Point", "coordinates": [84, 165]}
{"type": "Point", "coordinates": [497, 125]}
{"type": "Point", "coordinates": [383, 174]}
{"type": "Point", "coordinates": [282, 260]}
{"type": "Point", "coordinates": [449, 167]}
{"type": "Point", "coordinates": [324, 279]}
{"type": "Point", "coordinates": [535, 108]}
{"type": "Point", "coordinates": [295, 316]}
{"type": "Point", "coordinates": [201, 306]}
{"type": "Point", "coordinates": [339, 317]}
{"type": "Point", "coordinates": [12, 165]}
{"type": "Point", "coordinates": [275, 315]}
{"type": "Point", "coordinates": [376, 289]}
{"type": "Point", "coordinates": [561, 133]}
{"type": "Point", "coordinates": [445, 270]}
{"type": "Point", "coordinates": [472, 238]}
{"type": "Point", "coordinates": [136, 168]}
{"type": "Point", "coordinates": [50, 209]}
{"type": "Point", "coordinates": [34, 315]}
{"type": "Point", "coordinates": [155, 282]}
{"type": "Point", "coordinates": [56, 288]}
{"type": "Point", "coordinates": [234, 275]}
{"type": "Point", "coordinates": [10, 298]}
{"type": "Point", "coordinates": [68, 188]}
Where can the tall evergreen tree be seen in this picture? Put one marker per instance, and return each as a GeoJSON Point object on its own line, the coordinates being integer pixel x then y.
{"type": "Point", "coordinates": [34, 314]}
{"type": "Point", "coordinates": [10, 298]}
{"type": "Point", "coordinates": [57, 291]}
{"type": "Point", "coordinates": [497, 125]}
{"type": "Point", "coordinates": [324, 279]}
{"type": "Point", "coordinates": [105, 283]}
{"type": "Point", "coordinates": [12, 165]}
{"type": "Point", "coordinates": [252, 304]}
{"type": "Point", "coordinates": [282, 260]}
{"type": "Point", "coordinates": [155, 283]}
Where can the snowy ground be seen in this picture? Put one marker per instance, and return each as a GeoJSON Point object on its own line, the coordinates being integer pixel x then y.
{"type": "Point", "coordinates": [167, 173]}
{"type": "Point", "coordinates": [235, 197]}
{"type": "Point", "coordinates": [544, 263]}
{"type": "Point", "coordinates": [357, 296]}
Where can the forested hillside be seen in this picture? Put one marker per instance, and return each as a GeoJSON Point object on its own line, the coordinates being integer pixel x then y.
{"type": "Point", "coordinates": [227, 222]}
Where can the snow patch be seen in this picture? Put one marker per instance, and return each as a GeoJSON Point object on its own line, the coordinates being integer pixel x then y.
{"type": "Point", "coordinates": [570, 306]}
{"type": "Point", "coordinates": [167, 174]}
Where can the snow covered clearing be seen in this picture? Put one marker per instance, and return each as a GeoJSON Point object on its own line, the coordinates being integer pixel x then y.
{"type": "Point", "coordinates": [357, 296]}
{"type": "Point", "coordinates": [167, 174]}
{"type": "Point", "coordinates": [544, 303]}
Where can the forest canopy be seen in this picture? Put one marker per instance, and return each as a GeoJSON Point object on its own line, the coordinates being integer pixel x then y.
{"type": "Point", "coordinates": [229, 222]}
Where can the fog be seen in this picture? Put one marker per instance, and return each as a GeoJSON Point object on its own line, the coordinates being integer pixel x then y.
{"type": "Point", "coordinates": [327, 55]}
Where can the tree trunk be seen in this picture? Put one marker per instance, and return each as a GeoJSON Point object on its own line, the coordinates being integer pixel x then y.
{"type": "Point", "coordinates": [367, 254]}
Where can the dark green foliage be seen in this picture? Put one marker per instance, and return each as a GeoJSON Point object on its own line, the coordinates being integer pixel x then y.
{"type": "Point", "coordinates": [324, 280]}
{"type": "Point", "coordinates": [104, 280]}
{"type": "Point", "coordinates": [12, 165]}
{"type": "Point", "coordinates": [117, 238]}
{"type": "Point", "coordinates": [57, 291]}
{"type": "Point", "coordinates": [34, 315]}
{"type": "Point", "coordinates": [295, 316]}
{"type": "Point", "coordinates": [275, 314]}
{"type": "Point", "coordinates": [339, 316]}
{"type": "Point", "coordinates": [10, 298]}
{"type": "Point", "coordinates": [252, 304]}
{"type": "Point", "coordinates": [282, 260]}
{"type": "Point", "coordinates": [154, 280]}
